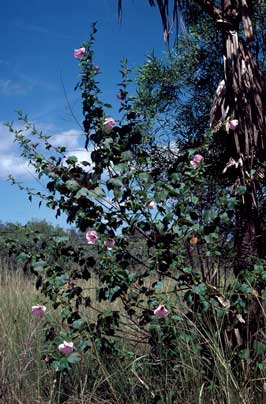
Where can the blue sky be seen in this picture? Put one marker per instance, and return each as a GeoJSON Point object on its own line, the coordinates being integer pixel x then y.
{"type": "Point", "coordinates": [37, 40]}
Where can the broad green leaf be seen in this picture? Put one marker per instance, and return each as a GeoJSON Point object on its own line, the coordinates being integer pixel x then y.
{"type": "Point", "coordinates": [73, 358]}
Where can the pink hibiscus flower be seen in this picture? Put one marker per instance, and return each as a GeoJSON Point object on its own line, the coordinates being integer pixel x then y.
{"type": "Point", "coordinates": [233, 124]}
{"type": "Point", "coordinates": [92, 237]}
{"type": "Point", "coordinates": [66, 348]}
{"type": "Point", "coordinates": [121, 95]}
{"type": "Point", "coordinates": [109, 123]}
{"type": "Point", "coordinates": [161, 311]}
{"type": "Point", "coordinates": [79, 53]}
{"type": "Point", "coordinates": [151, 205]}
{"type": "Point", "coordinates": [38, 310]}
{"type": "Point", "coordinates": [196, 161]}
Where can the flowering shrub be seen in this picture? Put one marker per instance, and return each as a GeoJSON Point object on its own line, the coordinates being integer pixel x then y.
{"type": "Point", "coordinates": [184, 226]}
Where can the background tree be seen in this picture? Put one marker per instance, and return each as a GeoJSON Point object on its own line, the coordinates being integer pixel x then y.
{"type": "Point", "coordinates": [240, 98]}
{"type": "Point", "coordinates": [19, 243]}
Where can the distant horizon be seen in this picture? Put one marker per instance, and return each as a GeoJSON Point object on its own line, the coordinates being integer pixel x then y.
{"type": "Point", "coordinates": [39, 220]}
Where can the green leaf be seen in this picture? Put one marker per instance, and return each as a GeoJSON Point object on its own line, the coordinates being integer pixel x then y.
{"type": "Point", "coordinates": [199, 289]}
{"type": "Point", "coordinates": [78, 324]}
{"type": "Point", "coordinates": [73, 358]}
{"type": "Point", "coordinates": [241, 190]}
{"type": "Point", "coordinates": [194, 199]}
{"type": "Point", "coordinates": [126, 155]}
{"type": "Point", "coordinates": [116, 182]}
{"type": "Point", "coordinates": [23, 257]}
{"type": "Point", "coordinates": [61, 239]}
{"type": "Point", "coordinates": [145, 178]}
{"type": "Point", "coordinates": [121, 168]}
{"type": "Point", "coordinates": [260, 348]}
{"type": "Point", "coordinates": [210, 215]}
{"type": "Point", "coordinates": [176, 318]}
{"type": "Point", "coordinates": [71, 160]}
{"type": "Point", "coordinates": [72, 185]}
{"type": "Point", "coordinates": [224, 218]}
{"type": "Point", "coordinates": [83, 192]}
{"type": "Point", "coordinates": [244, 354]}
{"type": "Point", "coordinates": [97, 192]}
{"type": "Point", "coordinates": [114, 293]}
{"type": "Point", "coordinates": [84, 346]}
{"type": "Point", "coordinates": [158, 285]}
{"type": "Point", "coordinates": [39, 265]}
{"type": "Point", "coordinates": [108, 142]}
{"type": "Point", "coordinates": [161, 196]}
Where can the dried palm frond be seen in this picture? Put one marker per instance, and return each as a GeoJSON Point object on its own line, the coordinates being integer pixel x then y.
{"type": "Point", "coordinates": [169, 18]}
{"type": "Point", "coordinates": [241, 95]}
{"type": "Point", "coordinates": [245, 11]}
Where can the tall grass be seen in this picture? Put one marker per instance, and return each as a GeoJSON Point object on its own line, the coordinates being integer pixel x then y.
{"type": "Point", "coordinates": [139, 377]}
{"type": "Point", "coordinates": [24, 377]}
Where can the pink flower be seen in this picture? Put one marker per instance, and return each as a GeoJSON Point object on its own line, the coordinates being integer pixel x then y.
{"type": "Point", "coordinates": [91, 237]}
{"type": "Point", "coordinates": [96, 69]}
{"type": "Point", "coordinates": [196, 161]}
{"type": "Point", "coordinates": [79, 53]}
{"type": "Point", "coordinates": [38, 310]}
{"type": "Point", "coordinates": [66, 348]}
{"type": "Point", "coordinates": [151, 205]}
{"type": "Point", "coordinates": [121, 95]}
{"type": "Point", "coordinates": [161, 311]}
{"type": "Point", "coordinates": [233, 124]}
{"type": "Point", "coordinates": [109, 244]}
{"type": "Point", "coordinates": [109, 123]}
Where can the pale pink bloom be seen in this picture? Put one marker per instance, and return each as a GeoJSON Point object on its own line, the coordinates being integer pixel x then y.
{"type": "Point", "coordinates": [233, 124]}
{"type": "Point", "coordinates": [38, 310]}
{"type": "Point", "coordinates": [109, 244]}
{"type": "Point", "coordinates": [161, 311]}
{"type": "Point", "coordinates": [196, 161]}
{"type": "Point", "coordinates": [91, 237]}
{"type": "Point", "coordinates": [79, 53]}
{"type": "Point", "coordinates": [121, 95]}
{"type": "Point", "coordinates": [151, 205]}
{"type": "Point", "coordinates": [96, 69]}
{"type": "Point", "coordinates": [66, 348]}
{"type": "Point", "coordinates": [109, 123]}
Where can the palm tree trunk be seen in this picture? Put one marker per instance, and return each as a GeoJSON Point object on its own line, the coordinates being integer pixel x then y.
{"type": "Point", "coordinates": [246, 235]}
{"type": "Point", "coordinates": [241, 96]}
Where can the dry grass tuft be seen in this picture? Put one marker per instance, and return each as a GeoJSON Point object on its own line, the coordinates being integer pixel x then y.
{"type": "Point", "coordinates": [22, 372]}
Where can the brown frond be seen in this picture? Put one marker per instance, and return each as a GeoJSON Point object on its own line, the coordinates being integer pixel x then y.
{"type": "Point", "coordinates": [168, 18]}
{"type": "Point", "coordinates": [119, 10]}
{"type": "Point", "coordinates": [246, 20]}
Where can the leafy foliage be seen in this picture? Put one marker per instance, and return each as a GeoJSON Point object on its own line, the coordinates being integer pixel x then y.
{"type": "Point", "coordinates": [186, 238]}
